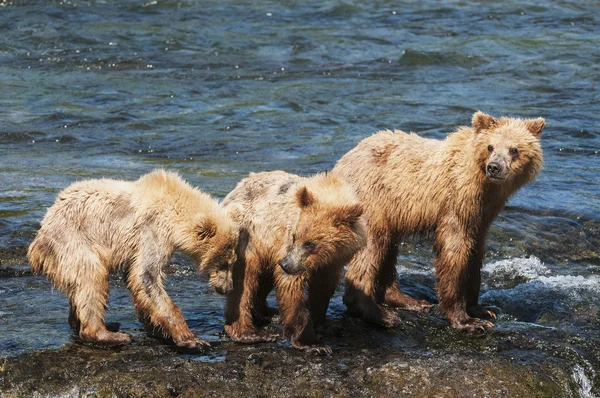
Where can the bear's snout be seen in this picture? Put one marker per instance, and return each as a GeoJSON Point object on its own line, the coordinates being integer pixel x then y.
{"type": "Point", "coordinates": [289, 266]}
{"type": "Point", "coordinates": [494, 170]}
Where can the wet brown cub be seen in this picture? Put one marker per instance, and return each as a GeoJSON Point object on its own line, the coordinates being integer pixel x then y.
{"type": "Point", "coordinates": [301, 233]}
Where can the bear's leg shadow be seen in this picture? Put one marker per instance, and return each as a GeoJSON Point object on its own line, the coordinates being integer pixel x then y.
{"type": "Point", "coordinates": [389, 287]}
{"type": "Point", "coordinates": [73, 319]}
{"type": "Point", "coordinates": [88, 303]}
{"type": "Point", "coordinates": [475, 263]}
{"type": "Point", "coordinates": [241, 303]}
{"type": "Point", "coordinates": [453, 248]}
{"type": "Point", "coordinates": [262, 313]}
{"type": "Point", "coordinates": [321, 288]}
{"type": "Point", "coordinates": [160, 316]}
{"type": "Point", "coordinates": [295, 317]}
{"type": "Point", "coordinates": [361, 284]}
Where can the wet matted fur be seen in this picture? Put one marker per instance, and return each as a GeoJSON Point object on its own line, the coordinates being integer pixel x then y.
{"type": "Point", "coordinates": [98, 226]}
{"type": "Point", "coordinates": [453, 187]}
{"type": "Point", "coordinates": [300, 233]}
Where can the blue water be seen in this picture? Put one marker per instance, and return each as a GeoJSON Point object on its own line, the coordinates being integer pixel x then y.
{"type": "Point", "coordinates": [216, 89]}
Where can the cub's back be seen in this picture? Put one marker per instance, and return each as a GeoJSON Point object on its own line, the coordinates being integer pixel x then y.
{"type": "Point", "coordinates": [89, 208]}
{"type": "Point", "coordinates": [387, 148]}
{"type": "Point", "coordinates": [266, 200]}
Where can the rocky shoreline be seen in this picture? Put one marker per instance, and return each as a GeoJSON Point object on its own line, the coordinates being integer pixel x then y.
{"type": "Point", "coordinates": [423, 358]}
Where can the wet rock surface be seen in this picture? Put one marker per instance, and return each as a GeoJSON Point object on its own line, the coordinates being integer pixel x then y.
{"type": "Point", "coordinates": [422, 358]}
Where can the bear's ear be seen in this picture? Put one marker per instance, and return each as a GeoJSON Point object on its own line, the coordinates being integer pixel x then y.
{"type": "Point", "coordinates": [349, 214]}
{"type": "Point", "coordinates": [483, 121]}
{"type": "Point", "coordinates": [305, 198]}
{"type": "Point", "coordinates": [535, 126]}
{"type": "Point", "coordinates": [205, 228]}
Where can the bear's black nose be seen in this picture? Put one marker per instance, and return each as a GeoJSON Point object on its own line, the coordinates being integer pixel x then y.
{"type": "Point", "coordinates": [493, 168]}
{"type": "Point", "coordinates": [285, 263]}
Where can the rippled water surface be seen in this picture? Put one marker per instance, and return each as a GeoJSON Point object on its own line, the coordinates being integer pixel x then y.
{"type": "Point", "coordinates": [216, 89]}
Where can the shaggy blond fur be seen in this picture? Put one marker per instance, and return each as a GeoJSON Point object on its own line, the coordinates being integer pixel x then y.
{"type": "Point", "coordinates": [97, 226]}
{"type": "Point", "coordinates": [455, 188]}
{"type": "Point", "coordinates": [301, 233]}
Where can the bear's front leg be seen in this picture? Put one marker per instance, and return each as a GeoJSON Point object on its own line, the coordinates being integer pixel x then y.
{"type": "Point", "coordinates": [295, 317]}
{"type": "Point", "coordinates": [243, 300]}
{"type": "Point", "coordinates": [160, 316]}
{"type": "Point", "coordinates": [453, 247]}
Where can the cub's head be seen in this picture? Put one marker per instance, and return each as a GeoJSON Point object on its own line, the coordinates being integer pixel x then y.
{"type": "Point", "coordinates": [215, 250]}
{"type": "Point", "coordinates": [326, 234]}
{"type": "Point", "coordinates": [508, 149]}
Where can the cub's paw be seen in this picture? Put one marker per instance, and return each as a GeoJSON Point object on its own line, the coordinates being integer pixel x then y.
{"type": "Point", "coordinates": [472, 325]}
{"type": "Point", "coordinates": [420, 306]}
{"type": "Point", "coordinates": [395, 298]}
{"type": "Point", "coordinates": [370, 311]}
{"type": "Point", "coordinates": [106, 338]}
{"type": "Point", "coordinates": [192, 343]}
{"type": "Point", "coordinates": [479, 311]}
{"type": "Point", "coordinates": [249, 335]}
{"type": "Point", "coordinates": [389, 317]}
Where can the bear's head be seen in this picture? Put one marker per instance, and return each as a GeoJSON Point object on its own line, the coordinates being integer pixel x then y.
{"type": "Point", "coordinates": [326, 233]}
{"type": "Point", "coordinates": [508, 149]}
{"type": "Point", "coordinates": [215, 250]}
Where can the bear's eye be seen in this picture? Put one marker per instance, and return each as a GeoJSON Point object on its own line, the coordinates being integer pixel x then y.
{"type": "Point", "coordinates": [490, 148]}
{"type": "Point", "coordinates": [514, 152]}
{"type": "Point", "coordinates": [310, 246]}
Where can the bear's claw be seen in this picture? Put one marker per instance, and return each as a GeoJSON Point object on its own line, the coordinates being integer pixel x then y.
{"type": "Point", "coordinates": [478, 311]}
{"type": "Point", "coordinates": [313, 348]}
{"type": "Point", "coordinates": [254, 338]}
{"type": "Point", "coordinates": [473, 325]}
{"type": "Point", "coordinates": [249, 336]}
{"type": "Point", "coordinates": [193, 343]}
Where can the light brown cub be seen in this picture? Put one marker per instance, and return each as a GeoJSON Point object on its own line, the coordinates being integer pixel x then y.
{"type": "Point", "coordinates": [98, 226]}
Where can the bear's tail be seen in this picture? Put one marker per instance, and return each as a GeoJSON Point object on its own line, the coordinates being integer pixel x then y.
{"type": "Point", "coordinates": [41, 254]}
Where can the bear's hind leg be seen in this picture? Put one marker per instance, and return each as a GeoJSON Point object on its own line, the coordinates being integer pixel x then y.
{"type": "Point", "coordinates": [361, 284]}
{"type": "Point", "coordinates": [88, 303]}
{"type": "Point", "coordinates": [388, 280]}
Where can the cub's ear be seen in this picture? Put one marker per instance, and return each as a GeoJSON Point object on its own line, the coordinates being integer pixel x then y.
{"type": "Point", "coordinates": [205, 228]}
{"type": "Point", "coordinates": [535, 126]}
{"type": "Point", "coordinates": [483, 121]}
{"type": "Point", "coordinates": [305, 198]}
{"type": "Point", "coordinates": [349, 214]}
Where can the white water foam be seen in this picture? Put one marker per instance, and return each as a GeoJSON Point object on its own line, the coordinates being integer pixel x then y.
{"type": "Point", "coordinates": [583, 381]}
{"type": "Point", "coordinates": [529, 268]}
{"type": "Point", "coordinates": [531, 292]}
{"type": "Point", "coordinates": [573, 284]}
